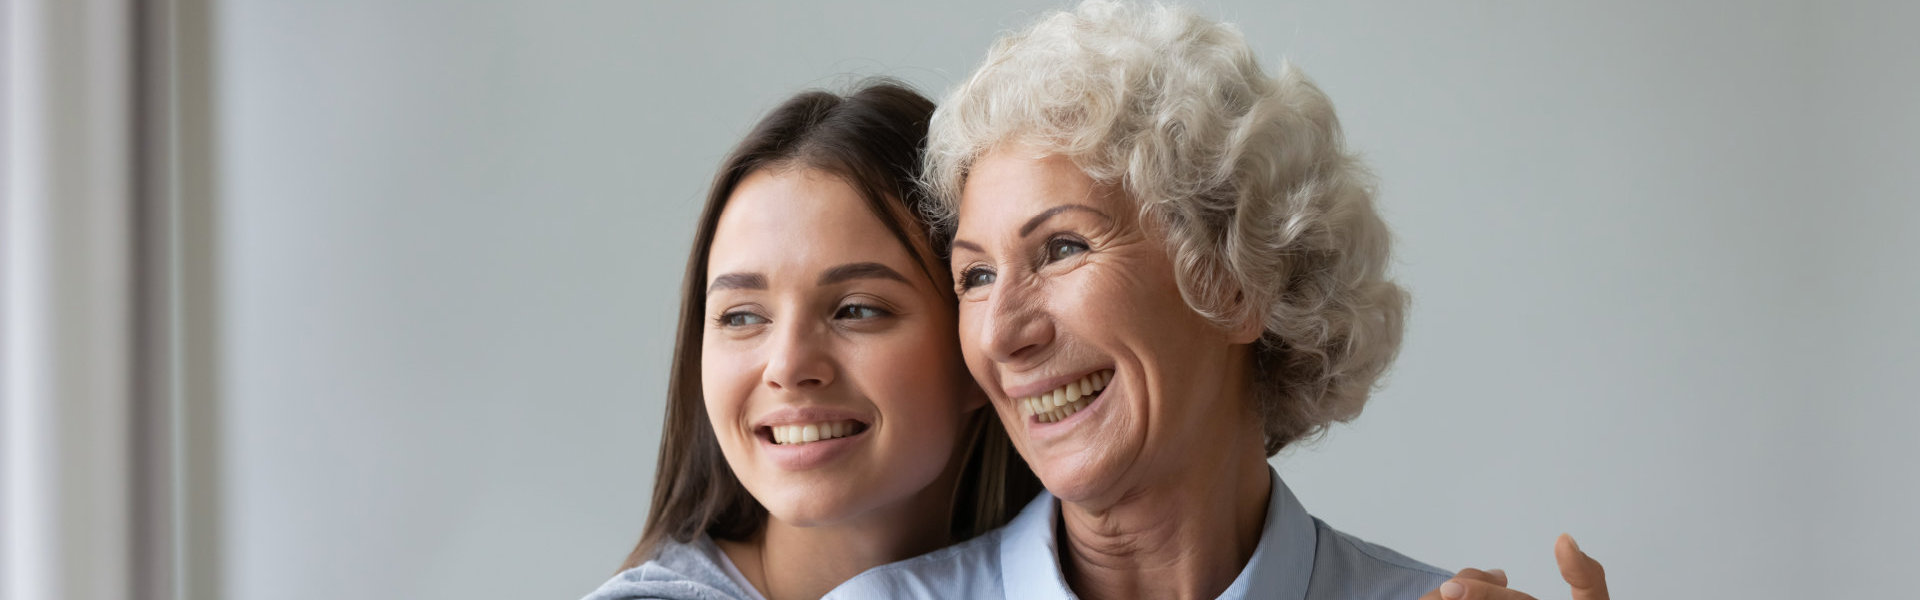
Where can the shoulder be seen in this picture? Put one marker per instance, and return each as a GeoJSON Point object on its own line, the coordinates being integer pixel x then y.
{"type": "Point", "coordinates": [681, 571]}
{"type": "Point", "coordinates": [1345, 566]}
{"type": "Point", "coordinates": [970, 569]}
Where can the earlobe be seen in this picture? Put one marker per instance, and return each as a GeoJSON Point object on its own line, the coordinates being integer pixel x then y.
{"type": "Point", "coordinates": [1249, 330]}
{"type": "Point", "coordinates": [1249, 323]}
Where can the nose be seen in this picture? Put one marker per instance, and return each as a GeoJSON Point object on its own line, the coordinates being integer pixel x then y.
{"type": "Point", "coordinates": [1015, 327]}
{"type": "Point", "coordinates": [798, 359]}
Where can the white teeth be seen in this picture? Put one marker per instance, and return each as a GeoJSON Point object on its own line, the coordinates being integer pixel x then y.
{"type": "Point", "coordinates": [812, 432]}
{"type": "Point", "coordinates": [1061, 402]}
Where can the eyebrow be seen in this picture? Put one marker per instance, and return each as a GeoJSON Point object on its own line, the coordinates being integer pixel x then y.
{"type": "Point", "coordinates": [1035, 222]}
{"type": "Point", "coordinates": [865, 270]}
{"type": "Point", "coordinates": [738, 281]}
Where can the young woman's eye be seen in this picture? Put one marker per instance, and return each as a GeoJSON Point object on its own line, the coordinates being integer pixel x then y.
{"type": "Point", "coordinates": [975, 277]}
{"type": "Point", "coordinates": [1063, 248]}
{"type": "Point", "coordinates": [740, 319]}
{"type": "Point", "coordinates": [857, 312]}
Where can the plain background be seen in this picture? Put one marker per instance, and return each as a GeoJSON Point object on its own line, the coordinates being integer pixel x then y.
{"type": "Point", "coordinates": [1661, 254]}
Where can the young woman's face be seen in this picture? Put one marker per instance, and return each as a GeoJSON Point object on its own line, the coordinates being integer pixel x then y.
{"type": "Point", "coordinates": [830, 364]}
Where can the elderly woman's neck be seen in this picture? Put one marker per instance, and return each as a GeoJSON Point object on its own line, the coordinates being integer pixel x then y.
{"type": "Point", "coordinates": [1188, 535]}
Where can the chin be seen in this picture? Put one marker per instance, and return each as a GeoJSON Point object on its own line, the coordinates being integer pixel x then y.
{"type": "Point", "coordinates": [1079, 477]}
{"type": "Point", "coordinates": [809, 510]}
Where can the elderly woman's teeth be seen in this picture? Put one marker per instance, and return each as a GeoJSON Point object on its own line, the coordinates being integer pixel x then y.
{"type": "Point", "coordinates": [1067, 399]}
{"type": "Point", "coordinates": [812, 432]}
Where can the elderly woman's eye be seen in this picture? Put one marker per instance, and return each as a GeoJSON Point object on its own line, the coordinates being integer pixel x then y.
{"type": "Point", "coordinates": [975, 277]}
{"type": "Point", "coordinates": [859, 311]}
{"type": "Point", "coordinates": [1062, 248]}
{"type": "Point", "coordinates": [740, 319]}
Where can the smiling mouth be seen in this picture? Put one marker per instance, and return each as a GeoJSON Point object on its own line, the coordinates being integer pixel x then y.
{"type": "Point", "coordinates": [1065, 400]}
{"type": "Point", "coordinates": [807, 433]}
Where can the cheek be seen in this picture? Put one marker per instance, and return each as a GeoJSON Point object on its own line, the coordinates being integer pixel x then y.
{"type": "Point", "coordinates": [970, 347]}
{"type": "Point", "coordinates": [1099, 302]}
{"type": "Point", "coordinates": [725, 383]}
{"type": "Point", "coordinates": [1135, 292]}
{"type": "Point", "coordinates": [914, 377]}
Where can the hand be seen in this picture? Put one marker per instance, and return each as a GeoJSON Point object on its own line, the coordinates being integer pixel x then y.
{"type": "Point", "coordinates": [1582, 572]}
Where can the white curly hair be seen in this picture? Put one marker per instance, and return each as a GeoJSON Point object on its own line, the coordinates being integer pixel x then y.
{"type": "Point", "coordinates": [1266, 213]}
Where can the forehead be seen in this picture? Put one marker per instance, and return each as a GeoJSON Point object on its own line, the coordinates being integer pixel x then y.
{"type": "Point", "coordinates": [1017, 182]}
{"type": "Point", "coordinates": [799, 219]}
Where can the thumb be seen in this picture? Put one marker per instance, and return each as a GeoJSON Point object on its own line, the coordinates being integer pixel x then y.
{"type": "Point", "coordinates": [1584, 574]}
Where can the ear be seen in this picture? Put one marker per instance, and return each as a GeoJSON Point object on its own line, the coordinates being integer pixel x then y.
{"type": "Point", "coordinates": [1249, 322]}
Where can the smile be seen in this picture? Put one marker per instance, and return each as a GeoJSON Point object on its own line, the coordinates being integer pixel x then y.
{"type": "Point", "coordinates": [1063, 401]}
{"type": "Point", "coordinates": [793, 435]}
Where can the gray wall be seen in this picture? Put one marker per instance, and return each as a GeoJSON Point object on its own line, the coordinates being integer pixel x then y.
{"type": "Point", "coordinates": [1857, 365]}
{"type": "Point", "coordinates": [1661, 256]}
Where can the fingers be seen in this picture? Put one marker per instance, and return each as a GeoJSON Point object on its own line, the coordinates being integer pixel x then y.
{"type": "Point", "coordinates": [1465, 587]}
{"type": "Point", "coordinates": [1494, 576]}
{"type": "Point", "coordinates": [1584, 574]}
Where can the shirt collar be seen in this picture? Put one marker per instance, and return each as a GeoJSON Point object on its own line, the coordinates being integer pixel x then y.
{"type": "Point", "coordinates": [1029, 559]}
{"type": "Point", "coordinates": [1282, 563]}
{"type": "Point", "coordinates": [1280, 567]}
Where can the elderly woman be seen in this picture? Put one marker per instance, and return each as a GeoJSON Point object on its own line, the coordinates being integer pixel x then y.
{"type": "Point", "coordinates": [1169, 269]}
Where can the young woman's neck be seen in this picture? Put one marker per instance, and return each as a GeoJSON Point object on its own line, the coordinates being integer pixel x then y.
{"type": "Point", "coordinates": [790, 562]}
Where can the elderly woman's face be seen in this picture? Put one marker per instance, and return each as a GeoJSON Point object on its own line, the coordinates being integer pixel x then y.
{"type": "Point", "coordinates": [1071, 319]}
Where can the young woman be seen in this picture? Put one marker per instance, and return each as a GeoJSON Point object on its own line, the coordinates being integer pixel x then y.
{"type": "Point", "coordinates": [820, 419]}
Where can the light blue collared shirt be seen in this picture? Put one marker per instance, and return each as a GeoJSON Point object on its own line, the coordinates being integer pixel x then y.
{"type": "Point", "coordinates": [1298, 558]}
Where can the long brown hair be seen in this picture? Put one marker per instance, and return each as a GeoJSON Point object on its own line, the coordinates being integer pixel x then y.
{"type": "Point", "coordinates": [873, 139]}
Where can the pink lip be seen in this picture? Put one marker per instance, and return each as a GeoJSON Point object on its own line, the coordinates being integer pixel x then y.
{"type": "Point", "coordinates": [811, 455]}
{"type": "Point", "coordinates": [800, 415]}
